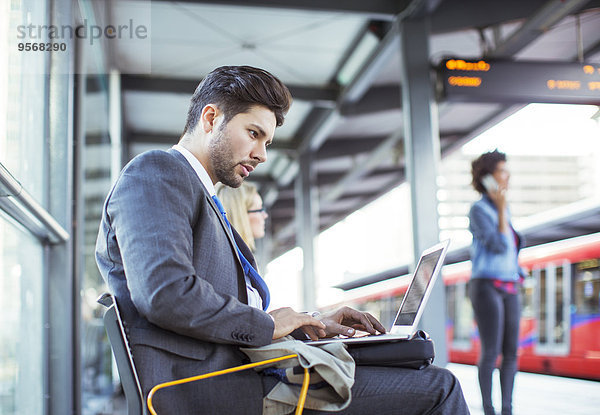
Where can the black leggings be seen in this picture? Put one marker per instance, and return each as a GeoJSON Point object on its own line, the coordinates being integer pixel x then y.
{"type": "Point", "coordinates": [497, 314]}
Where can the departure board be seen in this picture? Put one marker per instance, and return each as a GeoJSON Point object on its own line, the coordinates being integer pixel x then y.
{"type": "Point", "coordinates": [519, 81]}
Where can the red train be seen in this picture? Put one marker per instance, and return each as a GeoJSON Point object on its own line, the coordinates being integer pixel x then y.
{"type": "Point", "coordinates": [560, 327]}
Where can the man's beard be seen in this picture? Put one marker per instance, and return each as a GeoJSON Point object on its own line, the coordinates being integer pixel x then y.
{"type": "Point", "coordinates": [221, 157]}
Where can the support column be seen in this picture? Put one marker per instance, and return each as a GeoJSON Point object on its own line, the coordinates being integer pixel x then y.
{"type": "Point", "coordinates": [422, 144]}
{"type": "Point", "coordinates": [115, 119]}
{"type": "Point", "coordinates": [307, 225]}
{"type": "Point", "coordinates": [62, 394]}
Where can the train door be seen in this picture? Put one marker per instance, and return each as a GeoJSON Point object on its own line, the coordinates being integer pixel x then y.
{"type": "Point", "coordinates": [553, 299]}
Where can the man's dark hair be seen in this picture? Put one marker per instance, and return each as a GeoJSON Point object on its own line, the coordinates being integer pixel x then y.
{"type": "Point", "coordinates": [234, 89]}
{"type": "Point", "coordinates": [485, 164]}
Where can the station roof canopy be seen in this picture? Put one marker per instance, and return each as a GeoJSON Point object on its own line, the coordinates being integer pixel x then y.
{"type": "Point", "coordinates": [342, 62]}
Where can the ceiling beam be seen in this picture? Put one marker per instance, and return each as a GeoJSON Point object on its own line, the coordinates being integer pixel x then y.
{"type": "Point", "coordinates": [328, 179]}
{"type": "Point", "coordinates": [134, 137]}
{"type": "Point", "coordinates": [591, 51]}
{"type": "Point", "coordinates": [539, 23]}
{"type": "Point", "coordinates": [319, 131]}
{"type": "Point", "coordinates": [383, 9]}
{"type": "Point", "coordinates": [379, 153]}
{"type": "Point", "coordinates": [343, 147]}
{"type": "Point", "coordinates": [377, 99]}
{"type": "Point", "coordinates": [452, 16]}
{"type": "Point", "coordinates": [318, 95]}
{"type": "Point", "coordinates": [351, 146]}
{"type": "Point", "coordinates": [371, 68]}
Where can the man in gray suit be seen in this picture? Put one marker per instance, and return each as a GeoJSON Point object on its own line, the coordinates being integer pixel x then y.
{"type": "Point", "coordinates": [186, 282]}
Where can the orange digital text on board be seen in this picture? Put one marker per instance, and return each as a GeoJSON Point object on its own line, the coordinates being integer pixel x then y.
{"type": "Point", "coordinates": [461, 65]}
{"type": "Point", "coordinates": [469, 81]}
{"type": "Point", "coordinates": [563, 84]}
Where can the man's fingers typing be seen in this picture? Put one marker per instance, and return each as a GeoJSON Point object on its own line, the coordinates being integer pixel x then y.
{"type": "Point", "coordinates": [287, 320]}
{"type": "Point", "coordinates": [334, 329]}
{"type": "Point", "coordinates": [376, 324]}
{"type": "Point", "coordinates": [313, 332]}
{"type": "Point", "coordinates": [362, 318]}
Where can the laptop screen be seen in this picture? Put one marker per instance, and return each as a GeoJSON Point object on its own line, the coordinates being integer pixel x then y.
{"type": "Point", "coordinates": [416, 292]}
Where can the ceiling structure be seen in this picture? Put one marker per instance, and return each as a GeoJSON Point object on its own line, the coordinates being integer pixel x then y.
{"type": "Point", "coordinates": [342, 62]}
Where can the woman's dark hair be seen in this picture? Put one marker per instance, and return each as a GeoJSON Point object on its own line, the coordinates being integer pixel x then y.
{"type": "Point", "coordinates": [234, 89]}
{"type": "Point", "coordinates": [485, 164]}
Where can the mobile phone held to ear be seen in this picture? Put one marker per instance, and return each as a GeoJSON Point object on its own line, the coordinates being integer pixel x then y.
{"type": "Point", "coordinates": [490, 184]}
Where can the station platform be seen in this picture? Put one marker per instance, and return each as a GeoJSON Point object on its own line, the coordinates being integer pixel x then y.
{"type": "Point", "coordinates": [534, 394]}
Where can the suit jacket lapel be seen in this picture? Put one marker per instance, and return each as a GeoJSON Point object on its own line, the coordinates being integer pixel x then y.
{"type": "Point", "coordinates": [224, 225]}
{"type": "Point", "coordinates": [212, 204]}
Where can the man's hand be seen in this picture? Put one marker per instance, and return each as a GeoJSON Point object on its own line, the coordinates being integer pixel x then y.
{"type": "Point", "coordinates": [346, 321]}
{"type": "Point", "coordinates": [287, 320]}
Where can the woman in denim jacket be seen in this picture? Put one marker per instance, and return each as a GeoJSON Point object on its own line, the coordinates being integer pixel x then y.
{"type": "Point", "coordinates": [495, 277]}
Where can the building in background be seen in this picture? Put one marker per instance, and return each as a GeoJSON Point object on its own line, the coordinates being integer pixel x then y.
{"type": "Point", "coordinates": [537, 184]}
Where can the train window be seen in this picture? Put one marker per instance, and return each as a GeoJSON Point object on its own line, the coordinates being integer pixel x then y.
{"type": "Point", "coordinates": [559, 320]}
{"type": "Point", "coordinates": [542, 335]}
{"type": "Point", "coordinates": [587, 287]}
{"type": "Point", "coordinates": [450, 304]}
{"type": "Point", "coordinates": [464, 326]}
{"type": "Point", "coordinates": [460, 314]}
{"type": "Point", "coordinates": [527, 292]}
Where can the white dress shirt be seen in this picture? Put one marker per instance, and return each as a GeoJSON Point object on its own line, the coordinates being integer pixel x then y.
{"type": "Point", "coordinates": [254, 298]}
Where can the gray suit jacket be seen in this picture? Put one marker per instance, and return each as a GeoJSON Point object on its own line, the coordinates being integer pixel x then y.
{"type": "Point", "coordinates": [169, 259]}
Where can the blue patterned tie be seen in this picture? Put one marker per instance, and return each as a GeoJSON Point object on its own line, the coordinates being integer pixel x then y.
{"type": "Point", "coordinates": [249, 270]}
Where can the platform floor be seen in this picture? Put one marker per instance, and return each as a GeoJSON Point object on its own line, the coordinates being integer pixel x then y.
{"type": "Point", "coordinates": [534, 394]}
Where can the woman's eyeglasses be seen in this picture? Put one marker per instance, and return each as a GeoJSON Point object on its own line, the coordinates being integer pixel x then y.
{"type": "Point", "coordinates": [257, 210]}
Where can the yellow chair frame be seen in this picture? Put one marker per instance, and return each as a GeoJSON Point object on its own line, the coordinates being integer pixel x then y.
{"type": "Point", "coordinates": [301, 399]}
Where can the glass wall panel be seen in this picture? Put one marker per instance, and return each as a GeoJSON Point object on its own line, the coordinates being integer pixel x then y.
{"type": "Point", "coordinates": [21, 322]}
{"type": "Point", "coordinates": [97, 377]}
{"type": "Point", "coordinates": [22, 151]}
{"type": "Point", "coordinates": [23, 131]}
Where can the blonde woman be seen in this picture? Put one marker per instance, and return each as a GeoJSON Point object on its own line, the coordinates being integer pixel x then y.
{"type": "Point", "coordinates": [245, 211]}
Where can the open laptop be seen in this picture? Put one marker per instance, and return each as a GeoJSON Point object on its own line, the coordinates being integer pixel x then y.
{"type": "Point", "coordinates": [413, 304]}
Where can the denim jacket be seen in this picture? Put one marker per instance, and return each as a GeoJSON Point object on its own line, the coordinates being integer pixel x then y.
{"type": "Point", "coordinates": [493, 254]}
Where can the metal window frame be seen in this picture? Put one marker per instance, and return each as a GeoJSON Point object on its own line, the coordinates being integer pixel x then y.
{"type": "Point", "coordinates": [27, 212]}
